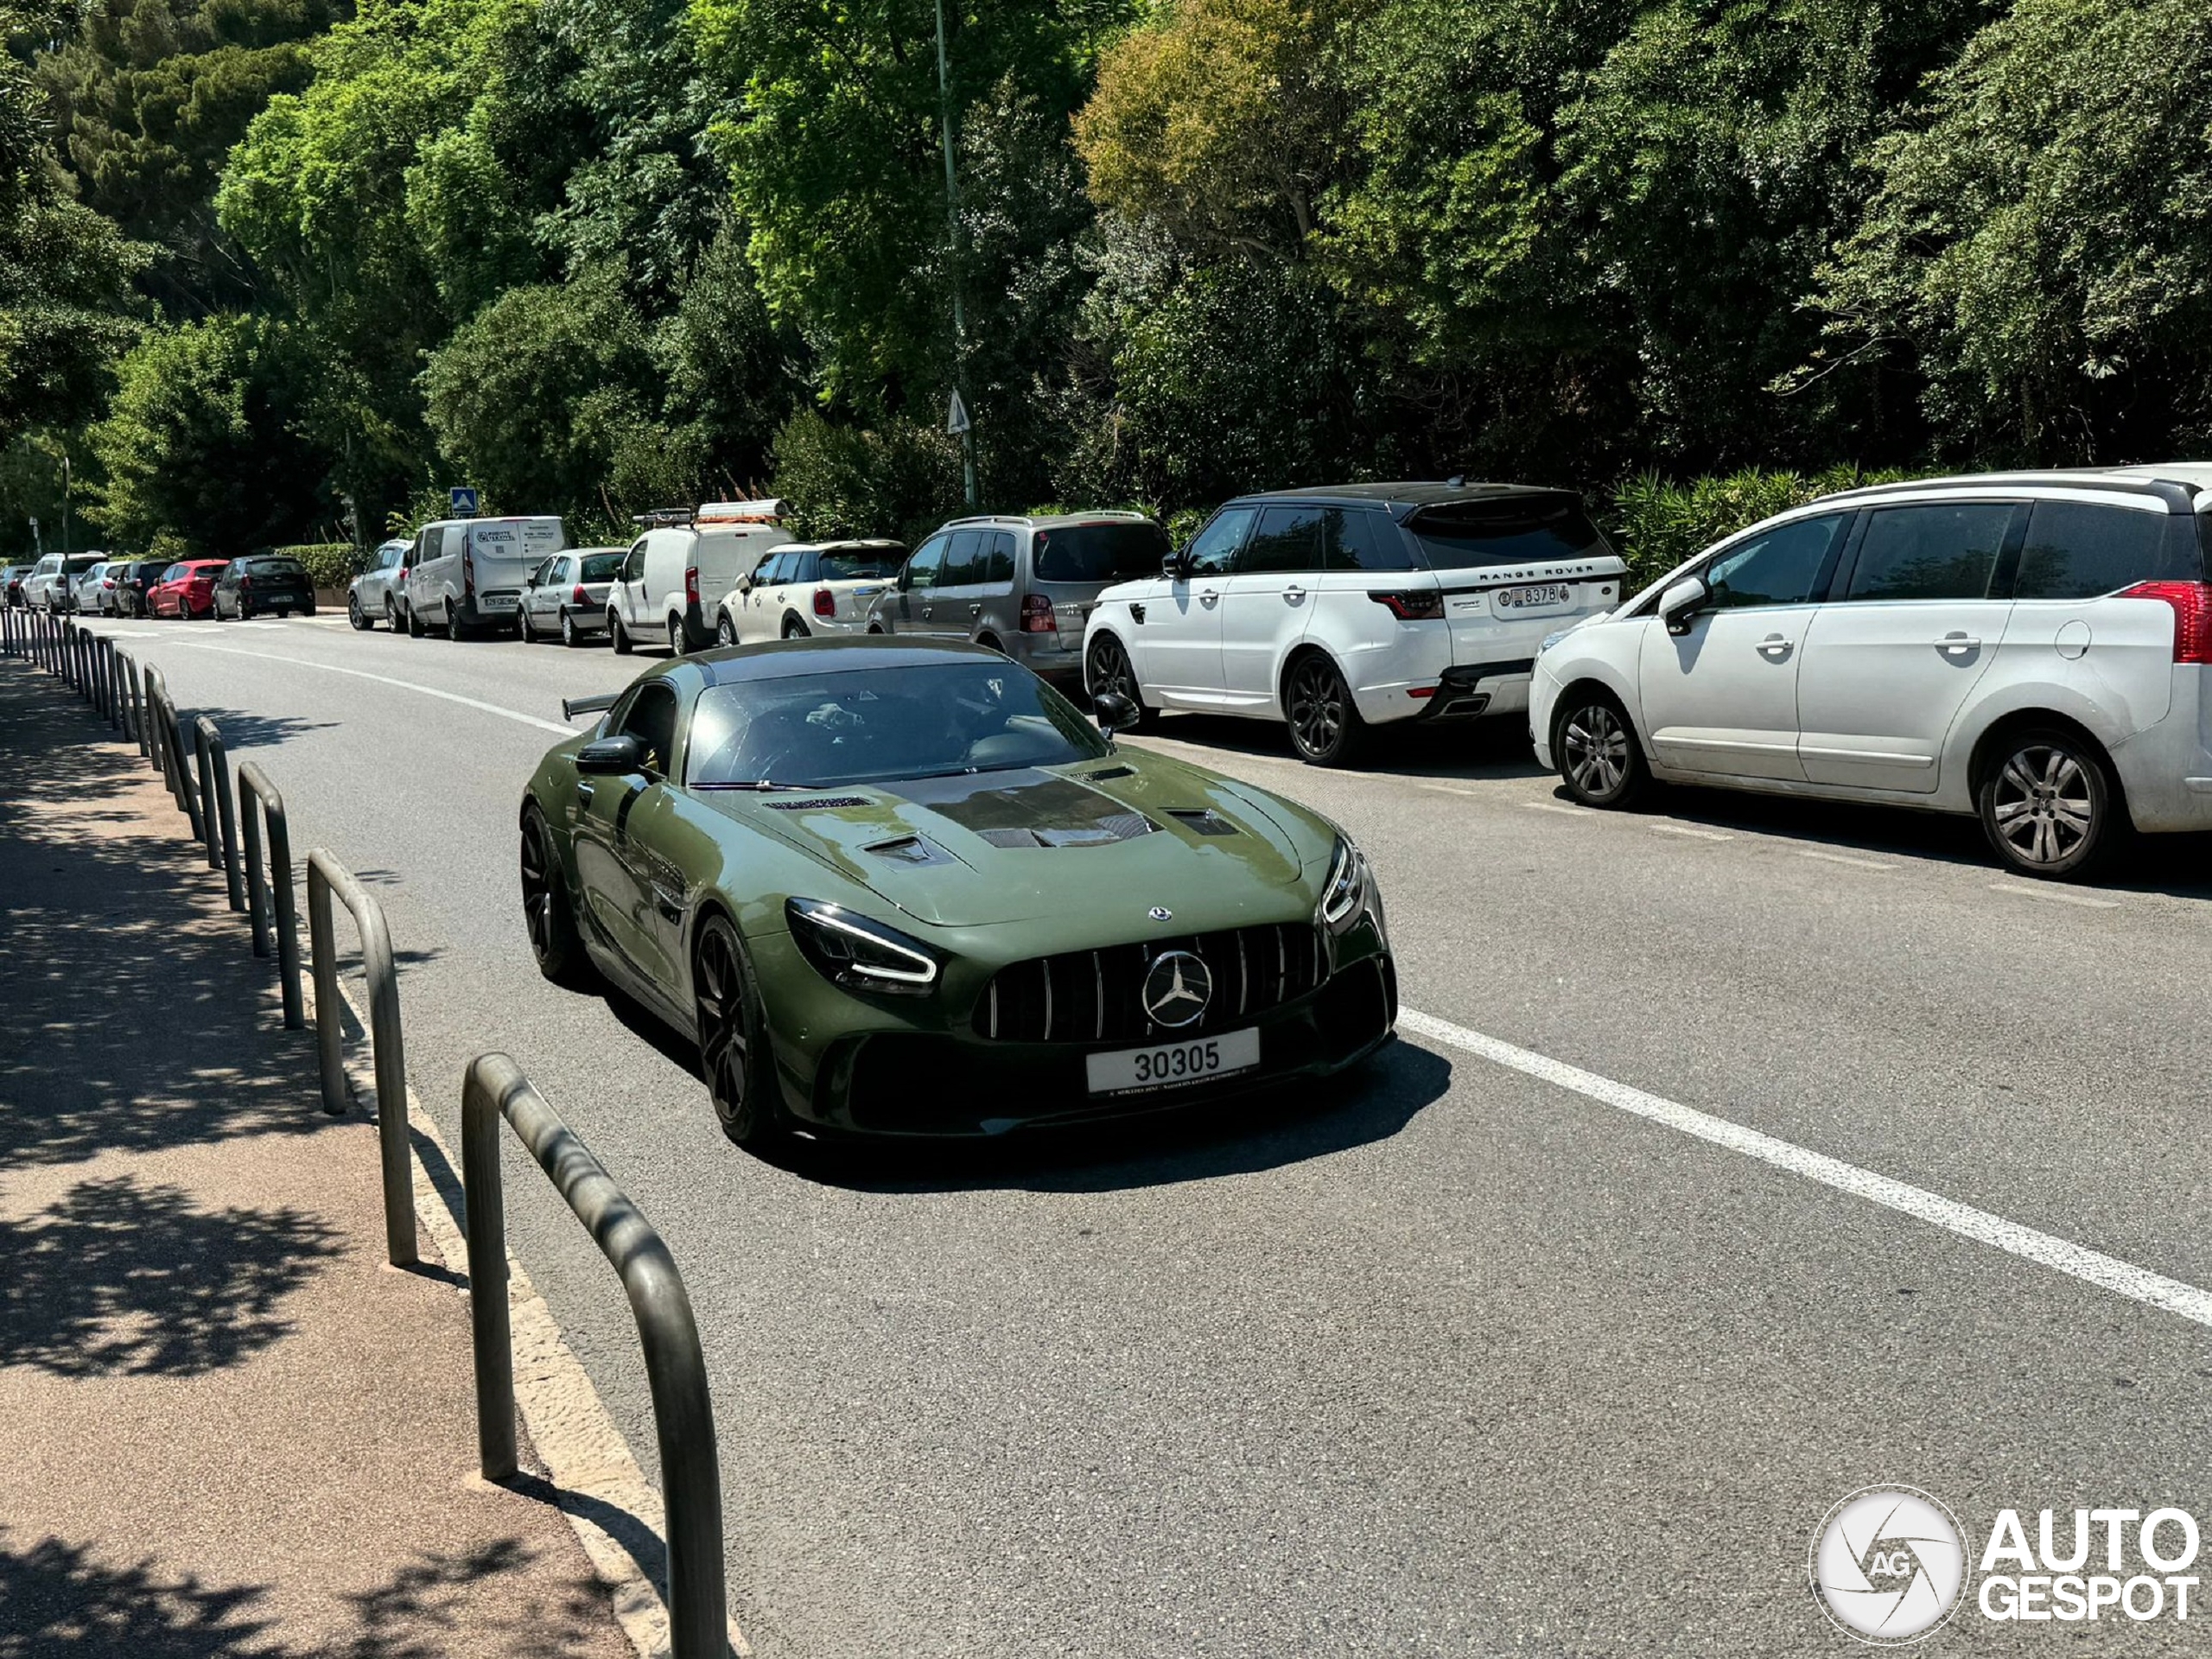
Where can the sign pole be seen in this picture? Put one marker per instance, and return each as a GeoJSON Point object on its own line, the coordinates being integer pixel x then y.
{"type": "Point", "coordinates": [959, 424]}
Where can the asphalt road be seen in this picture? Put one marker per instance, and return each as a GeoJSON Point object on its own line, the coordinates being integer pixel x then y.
{"type": "Point", "coordinates": [1454, 1357]}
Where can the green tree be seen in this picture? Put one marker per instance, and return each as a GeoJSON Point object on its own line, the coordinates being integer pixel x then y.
{"type": "Point", "coordinates": [2039, 242]}
{"type": "Point", "coordinates": [203, 441]}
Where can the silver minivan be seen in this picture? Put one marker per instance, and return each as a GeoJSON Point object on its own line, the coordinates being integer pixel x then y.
{"type": "Point", "coordinates": [1023, 585]}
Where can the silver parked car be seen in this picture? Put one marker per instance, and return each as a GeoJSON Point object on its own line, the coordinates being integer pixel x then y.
{"type": "Point", "coordinates": [566, 594]}
{"type": "Point", "coordinates": [1023, 585]}
{"type": "Point", "coordinates": [370, 595]}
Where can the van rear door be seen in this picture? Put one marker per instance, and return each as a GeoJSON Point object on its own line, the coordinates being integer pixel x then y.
{"type": "Point", "coordinates": [502, 552]}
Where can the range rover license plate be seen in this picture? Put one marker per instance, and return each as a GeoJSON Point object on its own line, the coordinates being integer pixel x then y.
{"type": "Point", "coordinates": [1173, 1065]}
{"type": "Point", "coordinates": [1543, 596]}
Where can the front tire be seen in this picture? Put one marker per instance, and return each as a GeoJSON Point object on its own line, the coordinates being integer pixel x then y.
{"type": "Point", "coordinates": [549, 914]}
{"type": "Point", "coordinates": [1324, 727]}
{"type": "Point", "coordinates": [725, 631]}
{"type": "Point", "coordinates": [569, 637]}
{"type": "Point", "coordinates": [619, 634]}
{"type": "Point", "coordinates": [1110, 670]}
{"type": "Point", "coordinates": [734, 1041]}
{"type": "Point", "coordinates": [1599, 760]}
{"type": "Point", "coordinates": [2050, 805]}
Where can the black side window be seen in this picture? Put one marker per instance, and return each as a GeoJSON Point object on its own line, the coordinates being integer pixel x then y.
{"type": "Point", "coordinates": [1787, 566]}
{"type": "Point", "coordinates": [921, 569]}
{"type": "Point", "coordinates": [1354, 539]}
{"type": "Point", "coordinates": [998, 563]}
{"type": "Point", "coordinates": [964, 560]}
{"type": "Point", "coordinates": [1930, 551]}
{"type": "Point", "coordinates": [652, 721]}
{"type": "Point", "coordinates": [2077, 550]}
{"type": "Point", "coordinates": [1289, 538]}
{"type": "Point", "coordinates": [1213, 548]}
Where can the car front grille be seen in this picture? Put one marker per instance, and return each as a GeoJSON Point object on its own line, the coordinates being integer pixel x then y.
{"type": "Point", "coordinates": [1097, 996]}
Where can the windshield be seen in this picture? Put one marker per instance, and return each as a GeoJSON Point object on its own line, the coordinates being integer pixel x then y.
{"type": "Point", "coordinates": [830, 729]}
{"type": "Point", "coordinates": [1101, 552]}
{"type": "Point", "coordinates": [602, 567]}
{"type": "Point", "coordinates": [1506, 532]}
{"type": "Point", "coordinates": [859, 565]}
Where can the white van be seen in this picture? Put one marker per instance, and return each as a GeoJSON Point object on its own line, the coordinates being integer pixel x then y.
{"type": "Point", "coordinates": [469, 573]}
{"type": "Point", "coordinates": [672, 583]}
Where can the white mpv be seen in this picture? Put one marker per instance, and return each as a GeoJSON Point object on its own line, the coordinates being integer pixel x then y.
{"type": "Point", "coordinates": [1337, 609]}
{"type": "Point", "coordinates": [2030, 647]}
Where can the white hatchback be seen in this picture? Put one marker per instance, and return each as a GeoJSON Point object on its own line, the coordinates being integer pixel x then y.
{"type": "Point", "coordinates": [1334, 610]}
{"type": "Point", "coordinates": [2028, 647]}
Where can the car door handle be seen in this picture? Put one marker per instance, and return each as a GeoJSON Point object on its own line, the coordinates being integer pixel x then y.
{"type": "Point", "coordinates": [975, 610]}
{"type": "Point", "coordinates": [928, 611]}
{"type": "Point", "coordinates": [584, 792]}
{"type": "Point", "coordinates": [1956, 641]}
{"type": "Point", "coordinates": [1774, 646]}
{"type": "Point", "coordinates": [1209, 598]}
{"type": "Point", "coordinates": [1293, 593]}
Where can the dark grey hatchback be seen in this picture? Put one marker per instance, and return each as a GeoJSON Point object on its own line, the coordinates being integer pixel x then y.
{"type": "Point", "coordinates": [265, 582]}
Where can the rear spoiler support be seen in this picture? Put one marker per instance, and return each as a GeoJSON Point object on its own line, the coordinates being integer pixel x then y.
{"type": "Point", "coordinates": [597, 704]}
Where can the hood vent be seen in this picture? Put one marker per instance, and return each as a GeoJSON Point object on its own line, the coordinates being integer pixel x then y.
{"type": "Point", "coordinates": [907, 849]}
{"type": "Point", "coordinates": [1109, 775]}
{"type": "Point", "coordinates": [1103, 832]}
{"type": "Point", "coordinates": [819, 802]}
{"type": "Point", "coordinates": [1204, 822]}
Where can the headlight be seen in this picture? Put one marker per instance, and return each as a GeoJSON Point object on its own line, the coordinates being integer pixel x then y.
{"type": "Point", "coordinates": [1552, 639]}
{"type": "Point", "coordinates": [859, 954]}
{"type": "Point", "coordinates": [1344, 894]}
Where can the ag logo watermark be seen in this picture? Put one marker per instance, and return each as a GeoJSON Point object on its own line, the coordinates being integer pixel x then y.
{"type": "Point", "coordinates": [1891, 1565]}
{"type": "Point", "coordinates": [1887, 1565]}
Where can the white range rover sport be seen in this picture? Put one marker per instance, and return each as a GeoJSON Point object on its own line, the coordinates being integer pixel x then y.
{"type": "Point", "coordinates": [2028, 647]}
{"type": "Point", "coordinates": [1337, 609]}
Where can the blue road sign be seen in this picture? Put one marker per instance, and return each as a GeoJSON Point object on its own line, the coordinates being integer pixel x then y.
{"type": "Point", "coordinates": [463, 501]}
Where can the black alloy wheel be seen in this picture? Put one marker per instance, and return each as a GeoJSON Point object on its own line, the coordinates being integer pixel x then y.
{"type": "Point", "coordinates": [455, 628]}
{"type": "Point", "coordinates": [734, 1041]}
{"type": "Point", "coordinates": [1325, 728]}
{"type": "Point", "coordinates": [2048, 805]}
{"type": "Point", "coordinates": [1111, 671]}
{"type": "Point", "coordinates": [547, 914]}
{"type": "Point", "coordinates": [1598, 758]}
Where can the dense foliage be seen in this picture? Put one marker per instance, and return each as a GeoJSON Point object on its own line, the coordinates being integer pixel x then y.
{"type": "Point", "coordinates": [594, 256]}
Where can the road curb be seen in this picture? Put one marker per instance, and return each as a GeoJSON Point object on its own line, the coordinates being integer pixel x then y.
{"type": "Point", "coordinates": [595, 1480]}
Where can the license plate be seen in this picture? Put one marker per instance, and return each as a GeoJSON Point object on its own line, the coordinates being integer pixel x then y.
{"type": "Point", "coordinates": [1173, 1065]}
{"type": "Point", "coordinates": [496, 602]}
{"type": "Point", "coordinates": [1543, 596]}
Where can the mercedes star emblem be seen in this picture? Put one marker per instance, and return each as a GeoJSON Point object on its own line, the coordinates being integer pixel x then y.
{"type": "Point", "coordinates": [1177, 987]}
{"type": "Point", "coordinates": [1160, 913]}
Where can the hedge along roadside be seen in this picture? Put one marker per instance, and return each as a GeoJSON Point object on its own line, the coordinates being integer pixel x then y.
{"type": "Point", "coordinates": [1656, 524]}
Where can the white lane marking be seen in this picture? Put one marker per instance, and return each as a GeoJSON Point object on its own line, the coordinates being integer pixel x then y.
{"type": "Point", "coordinates": [1684, 830]}
{"type": "Point", "coordinates": [386, 679]}
{"type": "Point", "coordinates": [1846, 858]}
{"type": "Point", "coordinates": [2106, 1272]}
{"type": "Point", "coordinates": [2052, 896]}
{"type": "Point", "coordinates": [1554, 806]}
{"type": "Point", "coordinates": [1449, 788]}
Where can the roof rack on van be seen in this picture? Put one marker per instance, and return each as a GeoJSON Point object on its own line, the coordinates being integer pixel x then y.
{"type": "Point", "coordinates": [770, 512]}
{"type": "Point", "coordinates": [662, 517]}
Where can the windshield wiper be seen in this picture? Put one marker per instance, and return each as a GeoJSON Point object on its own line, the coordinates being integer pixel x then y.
{"type": "Point", "coordinates": [760, 784]}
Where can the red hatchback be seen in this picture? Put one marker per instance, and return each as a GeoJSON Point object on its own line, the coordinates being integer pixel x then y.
{"type": "Point", "coordinates": [186, 590]}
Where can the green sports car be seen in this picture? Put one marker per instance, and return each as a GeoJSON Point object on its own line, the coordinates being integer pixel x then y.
{"type": "Point", "coordinates": [902, 889]}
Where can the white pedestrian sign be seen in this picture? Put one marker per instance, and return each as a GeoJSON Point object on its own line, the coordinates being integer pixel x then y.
{"type": "Point", "coordinates": [955, 421]}
{"type": "Point", "coordinates": [462, 500]}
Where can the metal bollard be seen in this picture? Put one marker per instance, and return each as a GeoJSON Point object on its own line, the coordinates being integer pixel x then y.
{"type": "Point", "coordinates": [254, 787]}
{"type": "Point", "coordinates": [132, 704]}
{"type": "Point", "coordinates": [683, 1414]}
{"type": "Point", "coordinates": [324, 874]}
{"type": "Point", "coordinates": [215, 805]}
{"type": "Point", "coordinates": [113, 707]}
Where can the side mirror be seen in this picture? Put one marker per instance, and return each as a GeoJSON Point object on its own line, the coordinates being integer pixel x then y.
{"type": "Point", "coordinates": [1177, 567]}
{"type": "Point", "coordinates": [1681, 602]}
{"type": "Point", "coordinates": [617, 756]}
{"type": "Point", "coordinates": [1115, 713]}
{"type": "Point", "coordinates": [745, 584]}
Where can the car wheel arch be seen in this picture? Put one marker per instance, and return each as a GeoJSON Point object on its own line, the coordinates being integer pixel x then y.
{"type": "Point", "coordinates": [1587, 685]}
{"type": "Point", "coordinates": [1993, 737]}
{"type": "Point", "coordinates": [1299, 650]}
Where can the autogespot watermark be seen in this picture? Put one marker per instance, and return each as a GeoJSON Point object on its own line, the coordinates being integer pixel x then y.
{"type": "Point", "coordinates": [1891, 1565]}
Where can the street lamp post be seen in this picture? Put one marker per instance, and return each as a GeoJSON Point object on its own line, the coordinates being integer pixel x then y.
{"type": "Point", "coordinates": [65, 504]}
{"type": "Point", "coordinates": [960, 421]}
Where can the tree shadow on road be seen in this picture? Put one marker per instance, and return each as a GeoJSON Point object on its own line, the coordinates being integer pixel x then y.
{"type": "Point", "coordinates": [117, 1278]}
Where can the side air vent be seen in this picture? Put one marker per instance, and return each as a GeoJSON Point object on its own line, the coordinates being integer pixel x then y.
{"type": "Point", "coordinates": [820, 803]}
{"type": "Point", "coordinates": [1204, 822]}
{"type": "Point", "coordinates": [1109, 775]}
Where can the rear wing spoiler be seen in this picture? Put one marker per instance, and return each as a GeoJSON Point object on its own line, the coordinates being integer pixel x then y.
{"type": "Point", "coordinates": [597, 704]}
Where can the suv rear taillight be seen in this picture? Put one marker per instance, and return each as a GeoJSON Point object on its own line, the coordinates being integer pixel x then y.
{"type": "Point", "coordinates": [691, 586]}
{"type": "Point", "coordinates": [245, 584]}
{"type": "Point", "coordinates": [1037, 615]}
{"type": "Point", "coordinates": [2192, 608]}
{"type": "Point", "coordinates": [1418, 605]}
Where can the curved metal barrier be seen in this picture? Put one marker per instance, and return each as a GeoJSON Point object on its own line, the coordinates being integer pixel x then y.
{"type": "Point", "coordinates": [324, 876]}
{"type": "Point", "coordinates": [683, 1417]}
{"type": "Point", "coordinates": [215, 807]}
{"type": "Point", "coordinates": [255, 789]}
